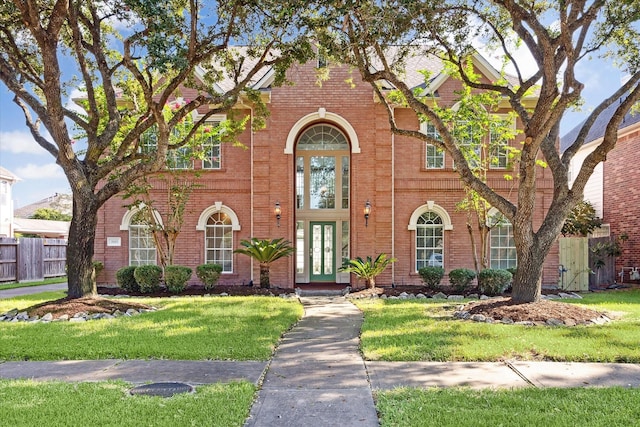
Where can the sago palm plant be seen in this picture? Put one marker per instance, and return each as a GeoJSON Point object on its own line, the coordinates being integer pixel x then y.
{"type": "Point", "coordinates": [265, 252]}
{"type": "Point", "coordinates": [368, 269]}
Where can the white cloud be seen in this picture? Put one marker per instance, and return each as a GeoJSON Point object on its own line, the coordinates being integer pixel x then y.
{"type": "Point", "coordinates": [46, 171]}
{"type": "Point", "coordinates": [19, 142]}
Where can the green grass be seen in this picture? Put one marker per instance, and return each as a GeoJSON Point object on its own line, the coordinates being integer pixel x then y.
{"type": "Point", "coordinates": [4, 286]}
{"type": "Point", "coordinates": [27, 403]}
{"type": "Point", "coordinates": [569, 407]}
{"type": "Point", "coordinates": [186, 328]}
{"type": "Point", "coordinates": [419, 330]}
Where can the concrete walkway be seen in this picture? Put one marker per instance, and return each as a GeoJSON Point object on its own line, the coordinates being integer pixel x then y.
{"type": "Point", "coordinates": [317, 375]}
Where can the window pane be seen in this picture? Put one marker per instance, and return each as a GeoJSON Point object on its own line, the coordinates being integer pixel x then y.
{"type": "Point", "coordinates": [300, 247]}
{"type": "Point", "coordinates": [180, 158]}
{"type": "Point", "coordinates": [322, 178]}
{"type": "Point", "coordinates": [345, 242]}
{"type": "Point", "coordinates": [300, 182]}
{"type": "Point", "coordinates": [142, 249]}
{"type": "Point", "coordinates": [219, 241]}
{"type": "Point", "coordinates": [503, 248]}
{"type": "Point", "coordinates": [323, 137]}
{"type": "Point", "coordinates": [211, 153]}
{"type": "Point", "coordinates": [498, 151]}
{"type": "Point", "coordinates": [429, 241]}
{"type": "Point", "coordinates": [434, 156]}
{"type": "Point", "coordinates": [345, 182]}
{"type": "Point", "coordinates": [469, 136]}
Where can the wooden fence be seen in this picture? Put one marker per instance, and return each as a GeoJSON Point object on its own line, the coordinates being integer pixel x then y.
{"type": "Point", "coordinates": [603, 267]}
{"type": "Point", "coordinates": [31, 259]}
{"type": "Point", "coordinates": [574, 264]}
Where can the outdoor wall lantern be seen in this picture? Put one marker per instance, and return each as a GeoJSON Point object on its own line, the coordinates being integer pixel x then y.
{"type": "Point", "coordinates": [278, 212]}
{"type": "Point", "coordinates": [367, 212]}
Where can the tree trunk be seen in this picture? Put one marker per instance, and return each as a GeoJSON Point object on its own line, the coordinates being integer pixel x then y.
{"type": "Point", "coordinates": [527, 283]}
{"type": "Point", "coordinates": [371, 282]}
{"type": "Point", "coordinates": [80, 246]}
{"type": "Point", "coordinates": [264, 276]}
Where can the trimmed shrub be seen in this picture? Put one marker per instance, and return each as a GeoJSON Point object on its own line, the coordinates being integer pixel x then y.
{"type": "Point", "coordinates": [126, 279]}
{"type": "Point", "coordinates": [148, 278]}
{"type": "Point", "coordinates": [493, 281]}
{"type": "Point", "coordinates": [209, 274]}
{"type": "Point", "coordinates": [461, 278]}
{"type": "Point", "coordinates": [176, 277]}
{"type": "Point", "coordinates": [431, 276]}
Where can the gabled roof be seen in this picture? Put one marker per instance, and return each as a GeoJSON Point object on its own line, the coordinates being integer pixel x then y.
{"type": "Point", "coordinates": [599, 126]}
{"type": "Point", "coordinates": [419, 62]}
{"type": "Point", "coordinates": [8, 175]}
{"type": "Point", "coordinates": [262, 79]}
{"type": "Point", "coordinates": [61, 202]}
{"type": "Point", "coordinates": [42, 227]}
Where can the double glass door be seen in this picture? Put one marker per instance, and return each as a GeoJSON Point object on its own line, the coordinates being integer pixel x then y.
{"type": "Point", "coordinates": [322, 248]}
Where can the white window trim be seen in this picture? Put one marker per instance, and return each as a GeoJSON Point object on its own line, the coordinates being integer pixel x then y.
{"type": "Point", "coordinates": [217, 207]}
{"type": "Point", "coordinates": [128, 216]}
{"type": "Point", "coordinates": [430, 206]}
{"type": "Point", "coordinates": [322, 115]}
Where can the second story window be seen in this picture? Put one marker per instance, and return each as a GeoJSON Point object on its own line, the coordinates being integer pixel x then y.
{"type": "Point", "coordinates": [469, 136]}
{"type": "Point", "coordinates": [183, 157]}
{"type": "Point", "coordinates": [501, 131]}
{"type": "Point", "coordinates": [434, 157]}
{"type": "Point", "coordinates": [212, 151]}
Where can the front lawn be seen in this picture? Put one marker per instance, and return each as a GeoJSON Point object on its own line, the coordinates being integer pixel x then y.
{"type": "Point", "coordinates": [185, 328]}
{"type": "Point", "coordinates": [531, 407]}
{"type": "Point", "coordinates": [29, 403]}
{"type": "Point", "coordinates": [423, 330]}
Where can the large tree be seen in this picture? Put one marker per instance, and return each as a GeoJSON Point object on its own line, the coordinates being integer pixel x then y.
{"type": "Point", "coordinates": [130, 58]}
{"type": "Point", "coordinates": [378, 36]}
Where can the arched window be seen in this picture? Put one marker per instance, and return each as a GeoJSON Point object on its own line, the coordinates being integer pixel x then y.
{"type": "Point", "coordinates": [219, 241]}
{"type": "Point", "coordinates": [142, 249]}
{"type": "Point", "coordinates": [429, 241]}
{"type": "Point", "coordinates": [322, 169]}
{"type": "Point", "coordinates": [430, 221]}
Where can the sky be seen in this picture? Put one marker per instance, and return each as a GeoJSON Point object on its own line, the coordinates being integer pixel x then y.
{"type": "Point", "coordinates": [40, 177]}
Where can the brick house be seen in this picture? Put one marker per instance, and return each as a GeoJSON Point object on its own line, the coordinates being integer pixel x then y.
{"type": "Point", "coordinates": [326, 152]}
{"type": "Point", "coordinates": [614, 187]}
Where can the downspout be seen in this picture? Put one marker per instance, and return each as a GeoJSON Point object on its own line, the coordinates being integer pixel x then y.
{"type": "Point", "coordinates": [393, 198]}
{"type": "Point", "coordinates": [252, 183]}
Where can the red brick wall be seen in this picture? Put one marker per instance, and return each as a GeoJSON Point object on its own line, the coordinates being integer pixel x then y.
{"type": "Point", "coordinates": [622, 197]}
{"type": "Point", "coordinates": [252, 181]}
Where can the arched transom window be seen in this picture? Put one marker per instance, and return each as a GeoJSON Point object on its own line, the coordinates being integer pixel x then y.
{"type": "Point", "coordinates": [322, 137]}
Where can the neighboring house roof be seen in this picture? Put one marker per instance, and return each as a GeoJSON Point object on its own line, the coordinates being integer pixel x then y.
{"type": "Point", "coordinates": [599, 126]}
{"type": "Point", "coordinates": [63, 203]}
{"type": "Point", "coordinates": [8, 175]}
{"type": "Point", "coordinates": [42, 227]}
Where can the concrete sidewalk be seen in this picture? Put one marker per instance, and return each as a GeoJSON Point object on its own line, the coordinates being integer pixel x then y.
{"type": "Point", "coordinates": [382, 375]}
{"type": "Point", "coordinates": [29, 290]}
